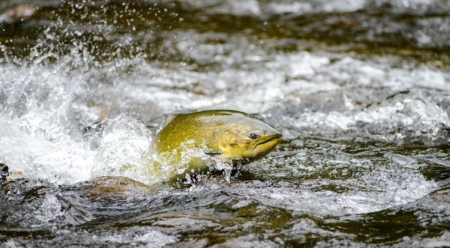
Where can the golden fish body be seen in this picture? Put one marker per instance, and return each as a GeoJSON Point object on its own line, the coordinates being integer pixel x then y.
{"type": "Point", "coordinates": [189, 142]}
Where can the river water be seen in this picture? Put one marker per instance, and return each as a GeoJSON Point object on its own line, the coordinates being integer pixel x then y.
{"type": "Point", "coordinates": [359, 89]}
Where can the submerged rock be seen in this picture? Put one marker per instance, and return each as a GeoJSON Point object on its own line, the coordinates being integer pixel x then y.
{"type": "Point", "coordinates": [28, 202]}
{"type": "Point", "coordinates": [110, 186]}
{"type": "Point", "coordinates": [4, 172]}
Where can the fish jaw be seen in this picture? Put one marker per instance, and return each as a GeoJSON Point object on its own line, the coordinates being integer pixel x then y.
{"type": "Point", "coordinates": [265, 146]}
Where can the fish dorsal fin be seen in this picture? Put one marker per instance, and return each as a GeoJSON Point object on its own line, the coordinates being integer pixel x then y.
{"type": "Point", "coordinates": [170, 118]}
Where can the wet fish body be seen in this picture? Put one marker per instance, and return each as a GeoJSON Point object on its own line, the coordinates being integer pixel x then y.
{"type": "Point", "coordinates": [192, 142]}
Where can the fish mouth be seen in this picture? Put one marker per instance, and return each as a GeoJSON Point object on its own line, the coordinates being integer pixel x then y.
{"type": "Point", "coordinates": [267, 145]}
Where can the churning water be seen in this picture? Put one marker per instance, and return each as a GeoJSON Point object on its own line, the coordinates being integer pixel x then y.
{"type": "Point", "coordinates": [359, 89]}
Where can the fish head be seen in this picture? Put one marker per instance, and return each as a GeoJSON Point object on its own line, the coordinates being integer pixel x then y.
{"type": "Point", "coordinates": [248, 138]}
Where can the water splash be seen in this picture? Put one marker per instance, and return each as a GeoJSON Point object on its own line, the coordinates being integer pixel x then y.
{"type": "Point", "coordinates": [38, 135]}
{"type": "Point", "coordinates": [124, 149]}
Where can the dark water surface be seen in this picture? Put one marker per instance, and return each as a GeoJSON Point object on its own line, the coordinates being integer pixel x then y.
{"type": "Point", "coordinates": [359, 89]}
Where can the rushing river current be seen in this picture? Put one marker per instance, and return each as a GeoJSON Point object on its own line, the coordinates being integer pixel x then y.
{"type": "Point", "coordinates": [360, 90]}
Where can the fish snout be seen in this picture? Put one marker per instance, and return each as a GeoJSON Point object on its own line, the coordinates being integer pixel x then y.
{"type": "Point", "coordinates": [267, 144]}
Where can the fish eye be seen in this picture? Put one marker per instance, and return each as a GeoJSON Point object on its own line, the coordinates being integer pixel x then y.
{"type": "Point", "coordinates": [253, 136]}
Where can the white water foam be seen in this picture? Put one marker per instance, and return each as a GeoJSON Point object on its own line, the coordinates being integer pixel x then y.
{"type": "Point", "coordinates": [45, 105]}
{"type": "Point", "coordinates": [37, 133]}
{"type": "Point", "coordinates": [369, 193]}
